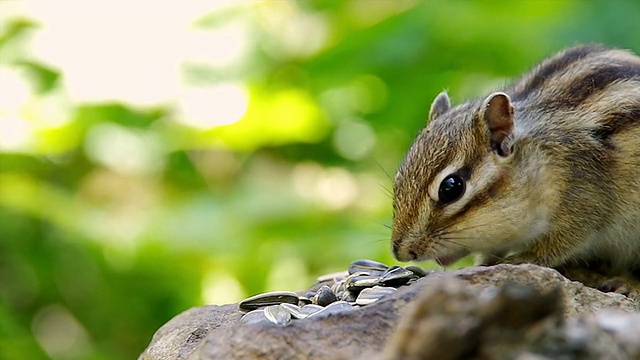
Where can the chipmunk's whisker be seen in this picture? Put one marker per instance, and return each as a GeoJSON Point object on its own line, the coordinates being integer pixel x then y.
{"type": "Point", "coordinates": [386, 191]}
{"type": "Point", "coordinates": [448, 240]}
{"type": "Point", "coordinates": [385, 171]}
{"type": "Point", "coordinates": [446, 231]}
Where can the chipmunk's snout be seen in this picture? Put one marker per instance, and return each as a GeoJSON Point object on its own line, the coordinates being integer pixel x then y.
{"type": "Point", "coordinates": [405, 255]}
{"type": "Point", "coordinates": [421, 249]}
{"type": "Point", "coordinates": [403, 252]}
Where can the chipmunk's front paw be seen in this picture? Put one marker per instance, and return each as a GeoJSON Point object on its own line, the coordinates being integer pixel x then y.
{"type": "Point", "coordinates": [627, 287]}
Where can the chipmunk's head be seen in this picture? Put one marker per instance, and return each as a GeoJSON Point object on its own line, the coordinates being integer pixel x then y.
{"type": "Point", "coordinates": [450, 191]}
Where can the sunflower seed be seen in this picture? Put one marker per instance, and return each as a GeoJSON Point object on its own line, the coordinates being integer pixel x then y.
{"type": "Point", "coordinates": [303, 300]}
{"type": "Point", "coordinates": [333, 308]}
{"type": "Point", "coordinates": [396, 276]}
{"type": "Point", "coordinates": [371, 295]}
{"type": "Point", "coordinates": [417, 270]}
{"type": "Point", "coordinates": [277, 314]}
{"type": "Point", "coordinates": [294, 310]}
{"type": "Point", "coordinates": [267, 299]}
{"type": "Point", "coordinates": [368, 266]}
{"type": "Point", "coordinates": [325, 296]}
{"type": "Point", "coordinates": [360, 281]}
{"type": "Point", "coordinates": [348, 296]}
{"type": "Point", "coordinates": [336, 276]}
{"type": "Point", "coordinates": [310, 309]}
{"type": "Point", "coordinates": [338, 287]}
{"type": "Point", "coordinates": [254, 317]}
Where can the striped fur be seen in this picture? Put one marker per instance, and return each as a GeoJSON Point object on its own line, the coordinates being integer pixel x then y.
{"type": "Point", "coordinates": [570, 189]}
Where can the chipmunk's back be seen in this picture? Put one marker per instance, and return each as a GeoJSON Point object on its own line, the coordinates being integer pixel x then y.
{"type": "Point", "coordinates": [581, 81]}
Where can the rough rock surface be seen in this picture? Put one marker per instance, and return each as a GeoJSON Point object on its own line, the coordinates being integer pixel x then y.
{"type": "Point", "coordinates": [497, 312]}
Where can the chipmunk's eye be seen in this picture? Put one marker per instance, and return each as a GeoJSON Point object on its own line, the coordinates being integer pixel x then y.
{"type": "Point", "coordinates": [451, 189]}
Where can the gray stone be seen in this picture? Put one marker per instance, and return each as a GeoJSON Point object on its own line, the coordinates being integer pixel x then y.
{"type": "Point", "coordinates": [503, 311]}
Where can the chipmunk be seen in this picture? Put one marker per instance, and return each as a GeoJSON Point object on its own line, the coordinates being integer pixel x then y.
{"type": "Point", "coordinates": [544, 171]}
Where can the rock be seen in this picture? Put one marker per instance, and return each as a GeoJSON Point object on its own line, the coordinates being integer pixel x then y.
{"type": "Point", "coordinates": [504, 311]}
{"type": "Point", "coordinates": [178, 338]}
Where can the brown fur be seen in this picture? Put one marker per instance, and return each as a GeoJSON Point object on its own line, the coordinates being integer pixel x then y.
{"type": "Point", "coordinates": [569, 191]}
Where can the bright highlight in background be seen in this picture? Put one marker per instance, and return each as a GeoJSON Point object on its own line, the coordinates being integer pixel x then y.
{"type": "Point", "coordinates": [208, 107]}
{"type": "Point", "coordinates": [15, 132]}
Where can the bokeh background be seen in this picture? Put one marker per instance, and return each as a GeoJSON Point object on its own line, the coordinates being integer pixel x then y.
{"type": "Point", "coordinates": [156, 156]}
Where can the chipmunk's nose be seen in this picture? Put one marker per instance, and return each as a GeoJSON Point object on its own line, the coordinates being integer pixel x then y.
{"type": "Point", "coordinates": [403, 253]}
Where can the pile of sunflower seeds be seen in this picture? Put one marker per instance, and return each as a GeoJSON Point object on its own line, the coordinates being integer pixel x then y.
{"type": "Point", "coordinates": [364, 283]}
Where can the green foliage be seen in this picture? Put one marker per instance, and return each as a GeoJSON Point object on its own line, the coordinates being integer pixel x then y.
{"type": "Point", "coordinates": [117, 214]}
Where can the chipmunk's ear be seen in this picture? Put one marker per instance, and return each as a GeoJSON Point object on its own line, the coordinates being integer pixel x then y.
{"type": "Point", "coordinates": [440, 105]}
{"type": "Point", "coordinates": [497, 113]}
